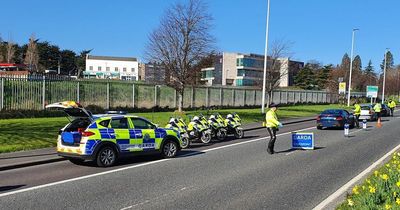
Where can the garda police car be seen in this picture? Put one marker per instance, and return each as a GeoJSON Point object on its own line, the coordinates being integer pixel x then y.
{"type": "Point", "coordinates": [107, 137]}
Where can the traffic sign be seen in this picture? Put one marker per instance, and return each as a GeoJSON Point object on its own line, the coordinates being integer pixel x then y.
{"type": "Point", "coordinates": [342, 87]}
{"type": "Point", "coordinates": [372, 91]}
{"type": "Point", "coordinates": [302, 140]}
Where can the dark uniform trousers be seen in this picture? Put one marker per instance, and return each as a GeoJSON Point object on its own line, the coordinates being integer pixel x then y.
{"type": "Point", "coordinates": [357, 116]}
{"type": "Point", "coordinates": [271, 143]}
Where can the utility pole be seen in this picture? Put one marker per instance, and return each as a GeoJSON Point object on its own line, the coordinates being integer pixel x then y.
{"type": "Point", "coordinates": [351, 66]}
{"type": "Point", "coordinates": [265, 59]}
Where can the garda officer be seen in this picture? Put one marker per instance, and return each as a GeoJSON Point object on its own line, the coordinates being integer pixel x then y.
{"type": "Point", "coordinates": [392, 105]}
{"type": "Point", "coordinates": [377, 109]}
{"type": "Point", "coordinates": [357, 113]}
{"type": "Point", "coordinates": [272, 125]}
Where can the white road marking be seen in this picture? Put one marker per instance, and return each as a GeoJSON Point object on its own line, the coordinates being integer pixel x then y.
{"type": "Point", "coordinates": [139, 165]}
{"type": "Point", "coordinates": [353, 181]}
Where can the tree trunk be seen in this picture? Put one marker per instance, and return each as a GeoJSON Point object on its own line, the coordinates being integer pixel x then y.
{"type": "Point", "coordinates": [180, 101]}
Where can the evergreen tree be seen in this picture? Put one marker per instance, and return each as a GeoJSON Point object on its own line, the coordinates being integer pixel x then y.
{"type": "Point", "coordinates": [369, 74]}
{"type": "Point", "coordinates": [305, 79]}
{"type": "Point", "coordinates": [323, 76]}
{"type": "Point", "coordinates": [389, 61]}
{"type": "Point", "coordinates": [345, 67]}
{"type": "Point", "coordinates": [357, 83]}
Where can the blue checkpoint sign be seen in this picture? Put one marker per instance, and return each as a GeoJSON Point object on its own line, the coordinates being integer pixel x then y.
{"type": "Point", "coordinates": [302, 140]}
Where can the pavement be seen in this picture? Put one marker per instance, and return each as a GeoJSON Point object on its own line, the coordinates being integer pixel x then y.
{"type": "Point", "coordinates": [21, 159]}
{"type": "Point", "coordinates": [233, 174]}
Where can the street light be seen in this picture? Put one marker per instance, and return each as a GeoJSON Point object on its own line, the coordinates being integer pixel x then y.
{"type": "Point", "coordinates": [384, 76]}
{"type": "Point", "coordinates": [351, 65]}
{"type": "Point", "coordinates": [265, 59]}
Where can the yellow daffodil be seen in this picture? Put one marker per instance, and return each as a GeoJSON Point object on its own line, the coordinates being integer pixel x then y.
{"type": "Point", "coordinates": [398, 184]}
{"type": "Point", "coordinates": [355, 190]}
{"type": "Point", "coordinates": [368, 181]}
{"type": "Point", "coordinates": [350, 202]}
{"type": "Point", "coordinates": [395, 194]}
{"type": "Point", "coordinates": [387, 206]}
{"type": "Point", "coordinates": [363, 187]}
{"type": "Point", "coordinates": [376, 173]}
{"type": "Point", "coordinates": [372, 189]}
{"type": "Point", "coordinates": [387, 165]}
{"type": "Point", "coordinates": [398, 201]}
{"type": "Point", "coordinates": [385, 177]}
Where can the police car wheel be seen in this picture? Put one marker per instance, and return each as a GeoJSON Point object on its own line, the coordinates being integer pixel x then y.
{"type": "Point", "coordinates": [185, 143]}
{"type": "Point", "coordinates": [169, 150]}
{"type": "Point", "coordinates": [106, 157]}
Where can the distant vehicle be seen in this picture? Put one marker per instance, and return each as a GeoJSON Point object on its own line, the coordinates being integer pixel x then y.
{"type": "Point", "coordinates": [367, 112]}
{"type": "Point", "coordinates": [335, 118]}
{"type": "Point", "coordinates": [107, 137]}
{"type": "Point", "coordinates": [385, 112]}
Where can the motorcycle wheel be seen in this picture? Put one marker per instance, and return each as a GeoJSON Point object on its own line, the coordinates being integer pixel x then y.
{"type": "Point", "coordinates": [239, 133]}
{"type": "Point", "coordinates": [185, 143]}
{"type": "Point", "coordinates": [221, 135]}
{"type": "Point", "coordinates": [205, 138]}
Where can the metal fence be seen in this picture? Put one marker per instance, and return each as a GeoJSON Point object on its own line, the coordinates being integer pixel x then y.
{"type": "Point", "coordinates": [34, 94]}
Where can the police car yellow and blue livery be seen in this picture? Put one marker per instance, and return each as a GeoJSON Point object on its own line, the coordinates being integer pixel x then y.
{"type": "Point", "coordinates": [105, 138]}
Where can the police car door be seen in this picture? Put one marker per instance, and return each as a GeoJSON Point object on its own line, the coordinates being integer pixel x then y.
{"type": "Point", "coordinates": [119, 132]}
{"type": "Point", "coordinates": [144, 130]}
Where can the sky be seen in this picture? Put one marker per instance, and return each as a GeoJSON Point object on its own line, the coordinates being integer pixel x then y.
{"type": "Point", "coordinates": [317, 29]}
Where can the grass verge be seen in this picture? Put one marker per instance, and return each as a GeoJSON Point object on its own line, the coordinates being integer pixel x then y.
{"type": "Point", "coordinates": [34, 133]}
{"type": "Point", "coordinates": [379, 191]}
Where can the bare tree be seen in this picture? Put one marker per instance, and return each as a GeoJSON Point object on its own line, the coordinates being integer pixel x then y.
{"type": "Point", "coordinates": [32, 55]}
{"type": "Point", "coordinates": [277, 66]}
{"type": "Point", "coordinates": [10, 51]}
{"type": "Point", "coordinates": [2, 51]}
{"type": "Point", "coordinates": [180, 42]}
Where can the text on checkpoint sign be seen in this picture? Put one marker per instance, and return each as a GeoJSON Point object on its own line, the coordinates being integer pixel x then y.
{"type": "Point", "coordinates": [303, 140]}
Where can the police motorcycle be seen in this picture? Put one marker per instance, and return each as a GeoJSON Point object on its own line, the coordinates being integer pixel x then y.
{"type": "Point", "coordinates": [198, 131]}
{"type": "Point", "coordinates": [204, 121]}
{"type": "Point", "coordinates": [174, 124]}
{"type": "Point", "coordinates": [234, 127]}
{"type": "Point", "coordinates": [237, 118]}
{"type": "Point", "coordinates": [181, 123]}
{"type": "Point", "coordinates": [218, 129]}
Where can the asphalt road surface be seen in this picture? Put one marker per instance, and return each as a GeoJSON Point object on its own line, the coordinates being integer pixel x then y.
{"type": "Point", "coordinates": [235, 174]}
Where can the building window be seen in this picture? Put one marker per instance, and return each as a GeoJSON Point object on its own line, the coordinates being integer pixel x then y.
{"type": "Point", "coordinates": [99, 68]}
{"type": "Point", "coordinates": [116, 68]}
{"type": "Point", "coordinates": [107, 68]}
{"type": "Point", "coordinates": [91, 68]}
{"type": "Point", "coordinates": [124, 69]}
{"type": "Point", "coordinates": [208, 74]}
{"type": "Point", "coordinates": [133, 69]}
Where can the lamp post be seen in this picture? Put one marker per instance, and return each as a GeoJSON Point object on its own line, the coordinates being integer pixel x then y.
{"type": "Point", "coordinates": [384, 76]}
{"type": "Point", "coordinates": [265, 59]}
{"type": "Point", "coordinates": [351, 65]}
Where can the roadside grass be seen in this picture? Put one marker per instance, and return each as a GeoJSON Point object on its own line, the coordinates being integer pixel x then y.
{"type": "Point", "coordinates": [381, 190]}
{"type": "Point", "coordinates": [34, 133]}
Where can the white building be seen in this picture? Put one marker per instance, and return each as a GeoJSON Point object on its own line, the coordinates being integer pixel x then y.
{"type": "Point", "coordinates": [106, 67]}
{"type": "Point", "coordinates": [237, 69]}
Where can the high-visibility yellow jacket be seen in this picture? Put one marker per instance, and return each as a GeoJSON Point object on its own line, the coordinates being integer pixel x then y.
{"type": "Point", "coordinates": [271, 119]}
{"type": "Point", "coordinates": [377, 107]}
{"type": "Point", "coordinates": [392, 104]}
{"type": "Point", "coordinates": [357, 109]}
